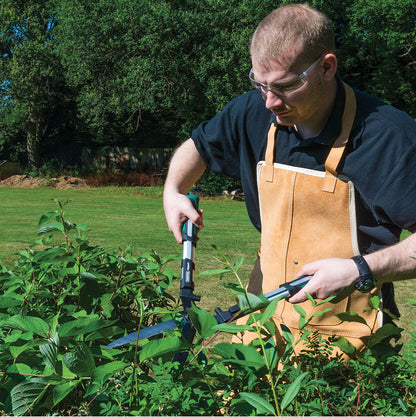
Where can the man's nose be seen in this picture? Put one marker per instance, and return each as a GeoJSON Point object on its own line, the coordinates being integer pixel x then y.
{"type": "Point", "coordinates": [272, 100]}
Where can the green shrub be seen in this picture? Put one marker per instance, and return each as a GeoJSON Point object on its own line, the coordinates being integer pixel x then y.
{"type": "Point", "coordinates": [212, 183]}
{"type": "Point", "coordinates": [64, 300]}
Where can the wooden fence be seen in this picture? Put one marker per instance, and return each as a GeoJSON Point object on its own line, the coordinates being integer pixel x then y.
{"type": "Point", "coordinates": [131, 159]}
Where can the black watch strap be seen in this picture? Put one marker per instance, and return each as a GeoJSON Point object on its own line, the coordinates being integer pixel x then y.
{"type": "Point", "coordinates": [366, 282]}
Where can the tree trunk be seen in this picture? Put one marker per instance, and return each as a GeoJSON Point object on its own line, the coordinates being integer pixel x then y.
{"type": "Point", "coordinates": [33, 140]}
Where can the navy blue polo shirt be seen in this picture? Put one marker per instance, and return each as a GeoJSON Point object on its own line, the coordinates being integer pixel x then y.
{"type": "Point", "coordinates": [380, 158]}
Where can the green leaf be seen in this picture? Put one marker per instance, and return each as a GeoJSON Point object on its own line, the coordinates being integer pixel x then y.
{"type": "Point", "coordinates": [83, 326]}
{"type": "Point", "coordinates": [235, 289]}
{"type": "Point", "coordinates": [382, 333]}
{"type": "Point", "coordinates": [293, 390]}
{"type": "Point", "coordinates": [82, 226]}
{"type": "Point", "coordinates": [311, 299]}
{"type": "Point", "coordinates": [49, 352]}
{"type": "Point", "coordinates": [203, 321]}
{"type": "Point", "coordinates": [160, 347]}
{"type": "Point", "coordinates": [232, 328]}
{"type": "Point", "coordinates": [300, 310]}
{"type": "Point", "coordinates": [19, 368]}
{"type": "Point", "coordinates": [27, 323]}
{"type": "Point", "coordinates": [87, 275]}
{"type": "Point", "coordinates": [6, 302]}
{"type": "Point", "coordinates": [238, 264]}
{"type": "Point", "coordinates": [17, 350]}
{"type": "Point", "coordinates": [45, 218]}
{"type": "Point", "coordinates": [80, 361]}
{"type": "Point", "coordinates": [52, 227]}
{"type": "Point", "coordinates": [252, 302]}
{"type": "Point", "coordinates": [26, 395]}
{"type": "Point", "coordinates": [50, 255]}
{"type": "Point", "coordinates": [62, 390]}
{"type": "Point", "coordinates": [107, 306]}
{"type": "Point", "coordinates": [60, 204]}
{"type": "Point", "coordinates": [403, 405]}
{"type": "Point", "coordinates": [287, 334]}
{"type": "Point", "coordinates": [320, 313]}
{"type": "Point", "coordinates": [350, 316]}
{"type": "Point", "coordinates": [375, 302]}
{"type": "Point", "coordinates": [345, 345]}
{"type": "Point", "coordinates": [245, 356]}
{"type": "Point", "coordinates": [12, 338]}
{"type": "Point", "coordinates": [69, 226]}
{"type": "Point", "coordinates": [326, 300]}
{"type": "Point", "coordinates": [259, 403]}
{"type": "Point", "coordinates": [271, 353]}
{"type": "Point", "coordinates": [268, 313]}
{"type": "Point", "coordinates": [102, 374]}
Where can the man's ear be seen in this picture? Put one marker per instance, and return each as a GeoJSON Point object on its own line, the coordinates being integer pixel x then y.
{"type": "Point", "coordinates": [330, 65]}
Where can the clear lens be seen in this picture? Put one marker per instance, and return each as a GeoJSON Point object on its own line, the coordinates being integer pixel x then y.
{"type": "Point", "coordinates": [283, 90]}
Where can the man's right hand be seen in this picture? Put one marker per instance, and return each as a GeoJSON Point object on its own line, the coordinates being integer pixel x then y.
{"type": "Point", "coordinates": [178, 209]}
{"type": "Point", "coordinates": [185, 168]}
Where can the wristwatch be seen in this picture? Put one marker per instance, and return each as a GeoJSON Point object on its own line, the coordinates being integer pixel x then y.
{"type": "Point", "coordinates": [367, 282]}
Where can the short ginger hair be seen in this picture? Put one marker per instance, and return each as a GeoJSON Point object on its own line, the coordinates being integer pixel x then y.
{"type": "Point", "coordinates": [289, 27]}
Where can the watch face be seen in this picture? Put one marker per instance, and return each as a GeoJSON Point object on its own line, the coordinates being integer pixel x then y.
{"type": "Point", "coordinates": [365, 284]}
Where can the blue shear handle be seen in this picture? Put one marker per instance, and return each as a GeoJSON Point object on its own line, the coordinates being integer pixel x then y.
{"type": "Point", "coordinates": [289, 288]}
{"type": "Point", "coordinates": [194, 199]}
{"type": "Point", "coordinates": [188, 231]}
{"type": "Point", "coordinates": [189, 243]}
{"type": "Point", "coordinates": [296, 285]}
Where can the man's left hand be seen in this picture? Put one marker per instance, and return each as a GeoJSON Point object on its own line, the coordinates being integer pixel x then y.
{"type": "Point", "coordinates": [330, 277]}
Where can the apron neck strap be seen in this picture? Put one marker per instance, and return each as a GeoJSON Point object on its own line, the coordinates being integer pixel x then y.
{"type": "Point", "coordinates": [271, 138]}
{"type": "Point", "coordinates": [338, 147]}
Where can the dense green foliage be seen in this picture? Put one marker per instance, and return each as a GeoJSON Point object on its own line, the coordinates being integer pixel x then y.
{"type": "Point", "coordinates": [145, 72]}
{"type": "Point", "coordinates": [61, 304]}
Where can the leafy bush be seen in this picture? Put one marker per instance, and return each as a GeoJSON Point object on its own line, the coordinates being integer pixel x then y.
{"type": "Point", "coordinates": [65, 299]}
{"type": "Point", "coordinates": [212, 183]}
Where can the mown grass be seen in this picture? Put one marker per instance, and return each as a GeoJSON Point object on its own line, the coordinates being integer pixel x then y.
{"type": "Point", "coordinates": [133, 216]}
{"type": "Point", "coordinates": [117, 218]}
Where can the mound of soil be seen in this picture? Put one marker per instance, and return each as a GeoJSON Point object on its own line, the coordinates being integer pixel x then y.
{"type": "Point", "coordinates": [62, 183]}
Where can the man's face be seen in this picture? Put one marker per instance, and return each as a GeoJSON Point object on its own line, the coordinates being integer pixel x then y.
{"type": "Point", "coordinates": [299, 104]}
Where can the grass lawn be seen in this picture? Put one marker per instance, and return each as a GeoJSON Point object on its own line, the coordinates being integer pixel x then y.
{"type": "Point", "coordinates": [118, 218]}
{"type": "Point", "coordinates": [134, 217]}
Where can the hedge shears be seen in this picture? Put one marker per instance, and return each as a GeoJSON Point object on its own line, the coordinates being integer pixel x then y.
{"type": "Point", "coordinates": [188, 298]}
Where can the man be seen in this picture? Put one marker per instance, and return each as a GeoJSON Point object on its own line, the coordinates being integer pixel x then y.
{"type": "Point", "coordinates": [327, 172]}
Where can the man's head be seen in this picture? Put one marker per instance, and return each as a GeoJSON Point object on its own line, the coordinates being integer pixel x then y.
{"type": "Point", "coordinates": [292, 29]}
{"type": "Point", "coordinates": [294, 66]}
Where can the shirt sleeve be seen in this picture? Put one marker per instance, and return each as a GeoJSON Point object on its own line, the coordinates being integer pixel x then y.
{"type": "Point", "coordinates": [395, 200]}
{"type": "Point", "coordinates": [218, 143]}
{"type": "Point", "coordinates": [224, 141]}
{"type": "Point", "coordinates": [384, 166]}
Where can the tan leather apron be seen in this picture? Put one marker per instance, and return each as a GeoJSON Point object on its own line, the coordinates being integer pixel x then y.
{"type": "Point", "coordinates": [309, 215]}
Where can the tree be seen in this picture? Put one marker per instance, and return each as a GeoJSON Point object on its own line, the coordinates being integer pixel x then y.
{"type": "Point", "coordinates": [176, 62]}
{"type": "Point", "coordinates": [30, 69]}
{"type": "Point", "coordinates": [376, 47]}
{"type": "Point", "coordinates": [380, 41]}
{"type": "Point", "coordinates": [146, 72]}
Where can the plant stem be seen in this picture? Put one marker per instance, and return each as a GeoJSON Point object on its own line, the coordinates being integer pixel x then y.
{"type": "Point", "coordinates": [266, 359]}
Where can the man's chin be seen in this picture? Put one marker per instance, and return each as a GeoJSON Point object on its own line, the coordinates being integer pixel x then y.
{"type": "Point", "coordinates": [283, 120]}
